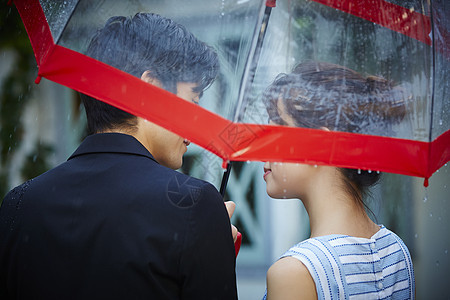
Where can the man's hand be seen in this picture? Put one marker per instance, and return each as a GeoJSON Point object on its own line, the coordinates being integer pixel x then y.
{"type": "Point", "coordinates": [237, 236]}
{"type": "Point", "coordinates": [231, 206]}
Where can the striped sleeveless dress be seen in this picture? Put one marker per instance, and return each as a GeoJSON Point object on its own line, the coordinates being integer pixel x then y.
{"type": "Point", "coordinates": [345, 267]}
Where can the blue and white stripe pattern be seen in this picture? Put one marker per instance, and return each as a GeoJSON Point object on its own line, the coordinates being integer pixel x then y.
{"type": "Point", "coordinates": [345, 267]}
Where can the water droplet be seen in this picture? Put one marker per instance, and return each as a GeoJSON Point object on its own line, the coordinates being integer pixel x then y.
{"type": "Point", "coordinates": [446, 251]}
{"type": "Point", "coordinates": [248, 161]}
{"type": "Point", "coordinates": [359, 171]}
{"type": "Point", "coordinates": [416, 235]}
{"type": "Point", "coordinates": [431, 215]}
{"type": "Point", "coordinates": [425, 199]}
{"type": "Point", "coordinates": [369, 171]}
{"type": "Point", "coordinates": [437, 263]}
{"type": "Point", "coordinates": [284, 191]}
{"type": "Point", "coordinates": [315, 166]}
{"type": "Point", "coordinates": [440, 122]}
{"type": "Point", "coordinates": [378, 172]}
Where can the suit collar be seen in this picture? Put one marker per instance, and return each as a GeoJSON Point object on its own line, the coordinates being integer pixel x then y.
{"type": "Point", "coordinates": [111, 143]}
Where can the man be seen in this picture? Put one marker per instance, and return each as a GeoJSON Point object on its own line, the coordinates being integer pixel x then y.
{"type": "Point", "coordinates": [116, 221]}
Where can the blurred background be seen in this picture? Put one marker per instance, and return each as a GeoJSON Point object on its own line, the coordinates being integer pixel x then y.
{"type": "Point", "coordinates": [41, 125]}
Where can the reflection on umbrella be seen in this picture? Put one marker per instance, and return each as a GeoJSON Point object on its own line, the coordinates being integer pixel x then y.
{"type": "Point", "coordinates": [407, 44]}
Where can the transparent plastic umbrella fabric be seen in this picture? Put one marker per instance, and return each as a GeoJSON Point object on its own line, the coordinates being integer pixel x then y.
{"type": "Point", "coordinates": [401, 43]}
{"type": "Point", "coordinates": [226, 26]}
{"type": "Point", "coordinates": [405, 42]}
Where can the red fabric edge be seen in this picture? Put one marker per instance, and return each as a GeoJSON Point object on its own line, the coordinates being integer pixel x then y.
{"type": "Point", "coordinates": [230, 141]}
{"type": "Point", "coordinates": [439, 152]}
{"type": "Point", "coordinates": [238, 141]}
{"type": "Point", "coordinates": [348, 150]}
{"type": "Point", "coordinates": [389, 15]}
{"type": "Point", "coordinates": [37, 28]}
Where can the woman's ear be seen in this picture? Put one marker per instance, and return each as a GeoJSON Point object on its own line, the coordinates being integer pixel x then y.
{"type": "Point", "coordinates": [147, 77]}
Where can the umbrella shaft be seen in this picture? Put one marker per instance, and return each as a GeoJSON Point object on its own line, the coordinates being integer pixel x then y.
{"type": "Point", "coordinates": [225, 177]}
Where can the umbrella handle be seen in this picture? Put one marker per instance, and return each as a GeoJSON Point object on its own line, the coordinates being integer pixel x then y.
{"type": "Point", "coordinates": [237, 244]}
{"type": "Point", "coordinates": [223, 186]}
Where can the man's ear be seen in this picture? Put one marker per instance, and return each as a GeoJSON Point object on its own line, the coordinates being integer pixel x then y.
{"type": "Point", "coordinates": [147, 77]}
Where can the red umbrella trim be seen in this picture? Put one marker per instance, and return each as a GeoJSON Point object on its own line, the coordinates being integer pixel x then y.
{"type": "Point", "coordinates": [228, 140]}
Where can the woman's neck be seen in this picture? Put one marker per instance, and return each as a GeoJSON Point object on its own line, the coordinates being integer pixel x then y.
{"type": "Point", "coordinates": [341, 219]}
{"type": "Point", "coordinates": [332, 210]}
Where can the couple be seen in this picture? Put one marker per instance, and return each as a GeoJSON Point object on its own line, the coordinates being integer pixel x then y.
{"type": "Point", "coordinates": [117, 222]}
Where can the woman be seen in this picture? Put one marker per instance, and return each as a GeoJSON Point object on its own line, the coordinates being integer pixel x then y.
{"type": "Point", "coordinates": [348, 256]}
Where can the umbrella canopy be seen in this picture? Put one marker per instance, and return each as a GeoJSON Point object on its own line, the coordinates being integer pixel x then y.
{"type": "Point", "coordinates": [405, 42]}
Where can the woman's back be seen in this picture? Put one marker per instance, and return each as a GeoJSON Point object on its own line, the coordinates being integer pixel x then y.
{"type": "Point", "coordinates": [345, 267]}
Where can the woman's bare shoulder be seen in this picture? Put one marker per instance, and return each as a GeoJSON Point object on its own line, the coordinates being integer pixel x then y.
{"type": "Point", "coordinates": [288, 278]}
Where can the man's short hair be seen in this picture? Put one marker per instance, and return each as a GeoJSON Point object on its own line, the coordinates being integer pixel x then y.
{"type": "Point", "coordinates": [147, 42]}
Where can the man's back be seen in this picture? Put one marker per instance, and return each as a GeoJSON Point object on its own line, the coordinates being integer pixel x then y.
{"type": "Point", "coordinates": [113, 223]}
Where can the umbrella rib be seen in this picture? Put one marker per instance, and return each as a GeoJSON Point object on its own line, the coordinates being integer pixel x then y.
{"type": "Point", "coordinates": [65, 25]}
{"type": "Point", "coordinates": [258, 35]}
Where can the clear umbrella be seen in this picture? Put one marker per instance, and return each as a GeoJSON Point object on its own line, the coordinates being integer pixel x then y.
{"type": "Point", "coordinates": [405, 42]}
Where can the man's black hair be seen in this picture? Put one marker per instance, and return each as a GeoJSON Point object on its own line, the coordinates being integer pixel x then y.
{"type": "Point", "coordinates": [147, 42]}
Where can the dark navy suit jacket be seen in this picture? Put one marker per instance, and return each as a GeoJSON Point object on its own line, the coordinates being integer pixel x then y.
{"type": "Point", "coordinates": [112, 223]}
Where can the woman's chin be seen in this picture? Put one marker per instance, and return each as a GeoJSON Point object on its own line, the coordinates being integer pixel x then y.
{"type": "Point", "coordinates": [274, 194]}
